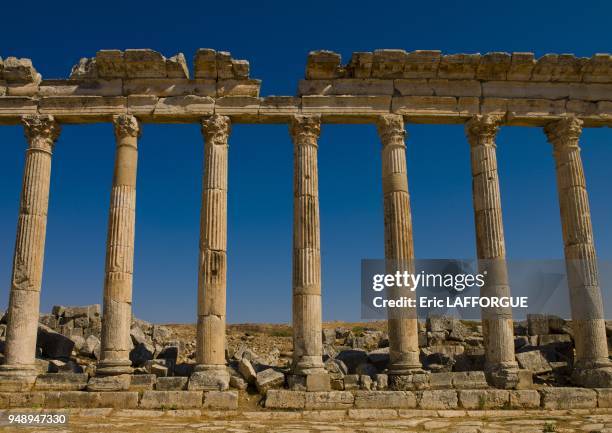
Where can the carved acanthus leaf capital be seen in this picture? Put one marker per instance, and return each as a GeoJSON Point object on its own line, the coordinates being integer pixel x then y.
{"type": "Point", "coordinates": [391, 129]}
{"type": "Point", "coordinates": [305, 129]}
{"type": "Point", "coordinates": [126, 125]}
{"type": "Point", "coordinates": [216, 129]}
{"type": "Point", "coordinates": [565, 132]}
{"type": "Point", "coordinates": [482, 129]}
{"type": "Point", "coordinates": [41, 131]}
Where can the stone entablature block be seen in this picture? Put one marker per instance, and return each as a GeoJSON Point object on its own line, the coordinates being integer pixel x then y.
{"type": "Point", "coordinates": [134, 72]}
{"type": "Point", "coordinates": [424, 86]}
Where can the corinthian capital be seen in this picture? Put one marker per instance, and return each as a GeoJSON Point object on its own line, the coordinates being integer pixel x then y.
{"type": "Point", "coordinates": [305, 129]}
{"type": "Point", "coordinates": [482, 129]}
{"type": "Point", "coordinates": [216, 129]}
{"type": "Point", "coordinates": [564, 133]}
{"type": "Point", "coordinates": [391, 129]}
{"type": "Point", "coordinates": [126, 125]}
{"type": "Point", "coordinates": [41, 131]}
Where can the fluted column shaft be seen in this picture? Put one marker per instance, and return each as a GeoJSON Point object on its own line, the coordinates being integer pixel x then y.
{"type": "Point", "coordinates": [399, 249]}
{"type": "Point", "coordinates": [581, 262]}
{"type": "Point", "coordinates": [24, 302]}
{"type": "Point", "coordinates": [307, 315]}
{"type": "Point", "coordinates": [210, 342]}
{"type": "Point", "coordinates": [490, 246]}
{"type": "Point", "coordinates": [119, 267]}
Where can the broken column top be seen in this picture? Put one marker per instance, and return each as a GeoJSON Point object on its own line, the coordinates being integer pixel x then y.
{"type": "Point", "coordinates": [424, 64]}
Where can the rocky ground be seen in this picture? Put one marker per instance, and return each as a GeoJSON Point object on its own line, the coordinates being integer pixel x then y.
{"type": "Point", "coordinates": [355, 354]}
{"type": "Point", "coordinates": [102, 420]}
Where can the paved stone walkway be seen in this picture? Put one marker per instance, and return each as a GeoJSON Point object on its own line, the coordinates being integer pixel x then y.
{"type": "Point", "coordinates": [102, 421]}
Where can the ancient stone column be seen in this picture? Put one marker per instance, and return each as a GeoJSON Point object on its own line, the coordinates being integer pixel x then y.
{"type": "Point", "coordinates": [307, 315]}
{"type": "Point", "coordinates": [591, 365]}
{"type": "Point", "coordinates": [501, 367]}
{"type": "Point", "coordinates": [117, 313]}
{"type": "Point", "coordinates": [399, 253]}
{"type": "Point", "coordinates": [210, 342]}
{"type": "Point", "coordinates": [19, 372]}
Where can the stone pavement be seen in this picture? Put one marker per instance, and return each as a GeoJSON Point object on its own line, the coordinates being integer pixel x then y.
{"type": "Point", "coordinates": [375, 421]}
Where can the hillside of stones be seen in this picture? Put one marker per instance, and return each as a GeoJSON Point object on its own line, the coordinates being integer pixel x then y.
{"type": "Point", "coordinates": [69, 341]}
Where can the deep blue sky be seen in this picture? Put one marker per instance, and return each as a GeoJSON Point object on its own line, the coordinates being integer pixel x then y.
{"type": "Point", "coordinates": [276, 37]}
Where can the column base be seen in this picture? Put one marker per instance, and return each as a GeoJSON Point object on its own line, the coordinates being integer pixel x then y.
{"type": "Point", "coordinates": [114, 368]}
{"type": "Point", "coordinates": [209, 378]}
{"type": "Point", "coordinates": [308, 365]}
{"type": "Point", "coordinates": [507, 375]}
{"type": "Point", "coordinates": [17, 378]}
{"type": "Point", "coordinates": [411, 380]}
{"type": "Point", "coordinates": [596, 375]}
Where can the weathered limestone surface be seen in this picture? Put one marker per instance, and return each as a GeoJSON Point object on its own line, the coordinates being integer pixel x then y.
{"type": "Point", "coordinates": [399, 249]}
{"type": "Point", "coordinates": [117, 315]}
{"type": "Point", "coordinates": [501, 367]}
{"type": "Point", "coordinates": [307, 309]}
{"type": "Point", "coordinates": [592, 366]}
{"type": "Point", "coordinates": [23, 311]}
{"type": "Point", "coordinates": [210, 342]}
{"type": "Point", "coordinates": [423, 85]}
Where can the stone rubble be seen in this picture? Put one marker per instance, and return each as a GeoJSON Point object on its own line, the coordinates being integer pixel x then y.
{"type": "Point", "coordinates": [359, 362]}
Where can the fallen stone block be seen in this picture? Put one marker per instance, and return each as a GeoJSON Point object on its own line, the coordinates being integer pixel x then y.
{"type": "Point", "coordinates": [268, 379]}
{"type": "Point", "coordinates": [568, 398]}
{"type": "Point", "coordinates": [385, 399]}
{"type": "Point", "coordinates": [246, 369]}
{"type": "Point", "coordinates": [61, 382]}
{"type": "Point", "coordinates": [329, 400]}
{"type": "Point", "coordinates": [209, 380]}
{"type": "Point", "coordinates": [171, 400]}
{"type": "Point", "coordinates": [238, 383]}
{"type": "Point", "coordinates": [53, 344]}
{"type": "Point", "coordinates": [221, 400]}
{"type": "Point", "coordinates": [283, 399]}
{"type": "Point", "coordinates": [336, 368]}
{"type": "Point", "coordinates": [534, 361]}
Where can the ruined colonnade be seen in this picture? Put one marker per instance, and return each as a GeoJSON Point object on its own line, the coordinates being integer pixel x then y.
{"type": "Point", "coordinates": [42, 129]}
